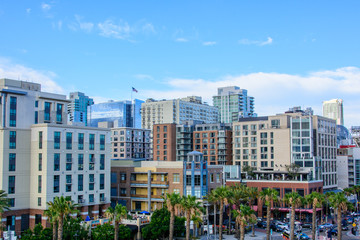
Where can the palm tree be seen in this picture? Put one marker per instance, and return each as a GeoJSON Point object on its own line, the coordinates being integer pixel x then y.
{"type": "Point", "coordinates": [339, 202]}
{"type": "Point", "coordinates": [230, 200]}
{"type": "Point", "coordinates": [268, 195]}
{"type": "Point", "coordinates": [294, 200]}
{"type": "Point", "coordinates": [62, 207]}
{"type": "Point", "coordinates": [173, 202]}
{"type": "Point", "coordinates": [116, 214]}
{"type": "Point", "coordinates": [316, 200]}
{"type": "Point", "coordinates": [212, 198]}
{"type": "Point", "coordinates": [327, 200]}
{"type": "Point", "coordinates": [4, 205]}
{"type": "Point", "coordinates": [239, 197]}
{"type": "Point", "coordinates": [190, 206]}
{"type": "Point", "coordinates": [221, 193]}
{"type": "Point", "coordinates": [52, 215]}
{"type": "Point", "coordinates": [253, 194]}
{"type": "Point", "coordinates": [244, 215]}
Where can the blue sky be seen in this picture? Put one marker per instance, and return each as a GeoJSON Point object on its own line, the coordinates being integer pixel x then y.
{"type": "Point", "coordinates": [285, 53]}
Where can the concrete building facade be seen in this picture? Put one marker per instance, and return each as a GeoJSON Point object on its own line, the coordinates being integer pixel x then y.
{"type": "Point", "coordinates": [334, 109]}
{"type": "Point", "coordinates": [130, 143]}
{"type": "Point", "coordinates": [348, 166]}
{"type": "Point", "coordinates": [233, 103]}
{"type": "Point", "coordinates": [164, 142]}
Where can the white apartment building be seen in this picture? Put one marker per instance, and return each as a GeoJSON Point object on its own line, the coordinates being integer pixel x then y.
{"type": "Point", "coordinates": [177, 111]}
{"type": "Point", "coordinates": [334, 109]}
{"type": "Point", "coordinates": [37, 155]}
{"type": "Point", "coordinates": [130, 143]}
{"type": "Point", "coordinates": [348, 166]}
{"type": "Point", "coordinates": [269, 144]}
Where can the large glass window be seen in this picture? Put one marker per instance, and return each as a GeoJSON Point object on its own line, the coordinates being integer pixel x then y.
{"type": "Point", "coordinates": [57, 140]}
{"type": "Point", "coordinates": [12, 140]}
{"type": "Point", "coordinates": [176, 177]}
{"type": "Point", "coordinates": [11, 187]}
{"type": "Point", "coordinates": [47, 107]}
{"type": "Point", "coordinates": [91, 181]}
{"type": "Point", "coordinates": [13, 101]}
{"type": "Point", "coordinates": [56, 183]}
{"type": "Point", "coordinates": [68, 161]}
{"type": "Point", "coordinates": [39, 183]}
{"type": "Point", "coordinates": [68, 140]}
{"type": "Point", "coordinates": [40, 139]}
{"type": "Point", "coordinates": [80, 182]}
{"type": "Point", "coordinates": [91, 141]}
{"type": "Point", "coordinates": [81, 141]}
{"type": "Point", "coordinates": [102, 161]}
{"type": "Point", "coordinates": [40, 162]}
{"type": "Point", "coordinates": [12, 162]}
{"type": "Point", "coordinates": [102, 142]}
{"type": "Point", "coordinates": [59, 110]}
{"type": "Point", "coordinates": [91, 161]}
{"type": "Point", "coordinates": [102, 181]}
{"type": "Point", "coordinates": [81, 162]}
{"type": "Point", "coordinates": [56, 161]}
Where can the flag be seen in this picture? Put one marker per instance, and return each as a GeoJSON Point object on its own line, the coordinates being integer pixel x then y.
{"type": "Point", "coordinates": [134, 90]}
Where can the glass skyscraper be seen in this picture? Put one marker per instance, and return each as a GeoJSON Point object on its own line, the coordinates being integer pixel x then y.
{"type": "Point", "coordinates": [78, 108]}
{"type": "Point", "coordinates": [120, 113]}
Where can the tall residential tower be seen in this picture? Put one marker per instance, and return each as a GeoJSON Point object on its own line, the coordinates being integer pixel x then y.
{"type": "Point", "coordinates": [334, 109]}
{"type": "Point", "coordinates": [233, 103]}
{"type": "Point", "coordinates": [78, 108]}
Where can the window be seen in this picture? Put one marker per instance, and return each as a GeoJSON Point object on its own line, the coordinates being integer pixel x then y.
{"type": "Point", "coordinates": [176, 178]}
{"type": "Point", "coordinates": [59, 108]}
{"type": "Point", "coordinates": [81, 162]}
{"type": "Point", "coordinates": [40, 139]}
{"type": "Point", "coordinates": [91, 181]}
{"type": "Point", "coordinates": [36, 117]}
{"type": "Point", "coordinates": [39, 201]}
{"type": "Point", "coordinates": [68, 183]}
{"type": "Point", "coordinates": [12, 162]}
{"type": "Point", "coordinates": [91, 198]}
{"type": "Point", "coordinates": [68, 140]}
{"type": "Point", "coordinates": [81, 141]}
{"type": "Point", "coordinates": [122, 177]}
{"type": "Point", "coordinates": [56, 161]}
{"type": "Point", "coordinates": [275, 123]}
{"type": "Point", "coordinates": [39, 183]}
{"type": "Point", "coordinates": [12, 202]}
{"type": "Point", "coordinates": [80, 182]}
{"type": "Point", "coordinates": [91, 141]}
{"type": "Point", "coordinates": [176, 190]}
{"type": "Point", "coordinates": [91, 161]}
{"type": "Point", "coordinates": [102, 181]}
{"type": "Point", "coordinates": [47, 107]}
{"type": "Point", "coordinates": [12, 111]}
{"type": "Point", "coordinates": [12, 140]}
{"type": "Point", "coordinates": [211, 177]}
{"type": "Point", "coordinates": [102, 161]}
{"type": "Point", "coordinates": [165, 128]}
{"type": "Point", "coordinates": [56, 183]}
{"type": "Point", "coordinates": [122, 191]}
{"type": "Point", "coordinates": [56, 140]}
{"type": "Point", "coordinates": [36, 103]}
{"type": "Point", "coordinates": [218, 177]}
{"type": "Point", "coordinates": [40, 162]}
{"type": "Point", "coordinates": [11, 188]}
{"type": "Point", "coordinates": [68, 161]}
{"type": "Point", "coordinates": [102, 142]}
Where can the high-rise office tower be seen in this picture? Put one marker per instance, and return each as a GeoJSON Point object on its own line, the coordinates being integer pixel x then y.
{"type": "Point", "coordinates": [334, 109]}
{"type": "Point", "coordinates": [120, 113]}
{"type": "Point", "coordinates": [78, 108]}
{"type": "Point", "coordinates": [233, 103]}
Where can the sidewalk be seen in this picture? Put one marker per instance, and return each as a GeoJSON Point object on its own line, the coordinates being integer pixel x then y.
{"type": "Point", "coordinates": [258, 236]}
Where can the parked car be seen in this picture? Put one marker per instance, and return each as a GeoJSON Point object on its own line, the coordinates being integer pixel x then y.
{"type": "Point", "coordinates": [350, 220]}
{"type": "Point", "coordinates": [306, 225]}
{"type": "Point", "coordinates": [303, 236]}
{"type": "Point", "coordinates": [261, 224]}
{"type": "Point", "coordinates": [344, 227]}
{"type": "Point", "coordinates": [283, 226]}
{"type": "Point", "coordinates": [325, 226]}
{"type": "Point", "coordinates": [278, 229]}
{"type": "Point", "coordinates": [334, 231]}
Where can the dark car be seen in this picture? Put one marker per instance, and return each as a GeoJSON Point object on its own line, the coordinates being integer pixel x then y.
{"type": "Point", "coordinates": [306, 225]}
{"type": "Point", "coordinates": [334, 231]}
{"type": "Point", "coordinates": [261, 224]}
{"type": "Point", "coordinates": [350, 220]}
{"type": "Point", "coordinates": [344, 227]}
{"type": "Point", "coordinates": [303, 236]}
{"type": "Point", "coordinates": [278, 229]}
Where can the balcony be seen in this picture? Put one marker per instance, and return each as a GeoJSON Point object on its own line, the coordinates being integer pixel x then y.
{"type": "Point", "coordinates": [103, 199]}
{"type": "Point", "coordinates": [145, 197]}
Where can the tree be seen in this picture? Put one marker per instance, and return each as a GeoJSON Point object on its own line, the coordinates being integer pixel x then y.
{"type": "Point", "coordinates": [73, 229]}
{"type": "Point", "coordinates": [190, 205]}
{"type": "Point", "coordinates": [253, 194]}
{"type": "Point", "coordinates": [293, 170]}
{"type": "Point", "coordinates": [230, 200]}
{"type": "Point", "coordinates": [173, 202]}
{"type": "Point", "coordinates": [339, 201]}
{"type": "Point", "coordinates": [116, 214]}
{"type": "Point", "coordinates": [211, 198]}
{"type": "Point", "coordinates": [4, 206]}
{"type": "Point", "coordinates": [294, 200]}
{"type": "Point", "coordinates": [159, 225]}
{"type": "Point", "coordinates": [221, 195]}
{"type": "Point", "coordinates": [39, 233]}
{"type": "Point", "coordinates": [249, 171]}
{"type": "Point", "coordinates": [102, 232]}
{"type": "Point", "coordinates": [244, 214]}
{"type": "Point", "coordinates": [61, 208]}
{"type": "Point", "coordinates": [51, 214]}
{"type": "Point", "coordinates": [268, 195]}
{"type": "Point", "coordinates": [316, 200]}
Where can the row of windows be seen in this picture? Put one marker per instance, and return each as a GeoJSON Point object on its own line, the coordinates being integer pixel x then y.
{"type": "Point", "coordinates": [91, 198]}
{"type": "Point", "coordinates": [68, 185]}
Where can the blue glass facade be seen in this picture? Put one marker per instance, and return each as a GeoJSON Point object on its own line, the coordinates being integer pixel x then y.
{"type": "Point", "coordinates": [121, 113]}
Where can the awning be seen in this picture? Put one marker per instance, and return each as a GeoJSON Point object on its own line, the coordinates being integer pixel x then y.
{"type": "Point", "coordinates": [309, 210]}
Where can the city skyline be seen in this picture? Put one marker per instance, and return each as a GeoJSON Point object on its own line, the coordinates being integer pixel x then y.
{"type": "Point", "coordinates": [284, 54]}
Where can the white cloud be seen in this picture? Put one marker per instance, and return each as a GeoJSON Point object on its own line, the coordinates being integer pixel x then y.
{"type": "Point", "coordinates": [11, 70]}
{"type": "Point", "coordinates": [143, 77]}
{"type": "Point", "coordinates": [148, 28]}
{"type": "Point", "coordinates": [209, 43]}
{"type": "Point", "coordinates": [28, 10]}
{"type": "Point", "coordinates": [57, 25]}
{"type": "Point", "coordinates": [276, 92]}
{"type": "Point", "coordinates": [245, 41]}
{"type": "Point", "coordinates": [45, 7]}
{"type": "Point", "coordinates": [85, 26]}
{"type": "Point", "coordinates": [120, 30]}
{"type": "Point", "coordinates": [98, 99]}
{"type": "Point", "coordinates": [181, 40]}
